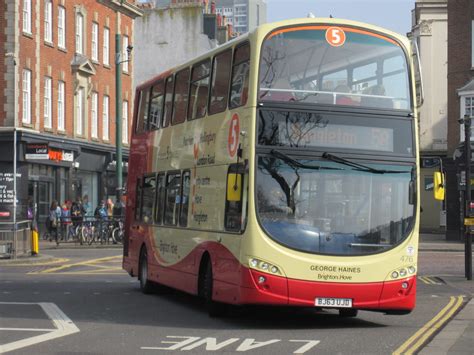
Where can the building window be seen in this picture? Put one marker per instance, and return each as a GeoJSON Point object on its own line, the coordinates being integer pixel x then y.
{"type": "Point", "coordinates": [105, 47]}
{"type": "Point", "coordinates": [61, 27]}
{"type": "Point", "coordinates": [27, 16]}
{"type": "Point", "coordinates": [94, 121]}
{"type": "Point", "coordinates": [47, 103]}
{"type": "Point", "coordinates": [469, 106]}
{"type": "Point", "coordinates": [125, 54]}
{"type": "Point", "coordinates": [26, 96]}
{"type": "Point", "coordinates": [79, 34]}
{"type": "Point", "coordinates": [48, 21]}
{"type": "Point", "coordinates": [95, 42]}
{"type": "Point", "coordinates": [61, 87]}
{"type": "Point", "coordinates": [80, 112]}
{"type": "Point", "coordinates": [125, 122]}
{"type": "Point", "coordinates": [472, 43]}
{"type": "Point", "coordinates": [105, 119]}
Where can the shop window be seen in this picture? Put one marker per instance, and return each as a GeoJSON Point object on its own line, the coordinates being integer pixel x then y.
{"type": "Point", "coordinates": [240, 76]}
{"type": "Point", "coordinates": [148, 197]}
{"type": "Point", "coordinates": [221, 70]}
{"type": "Point", "coordinates": [172, 198]}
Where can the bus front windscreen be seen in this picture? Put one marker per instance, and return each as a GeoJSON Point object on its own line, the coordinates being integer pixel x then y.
{"type": "Point", "coordinates": [334, 66]}
{"type": "Point", "coordinates": [321, 206]}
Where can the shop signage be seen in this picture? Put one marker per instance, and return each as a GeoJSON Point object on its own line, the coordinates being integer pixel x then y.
{"type": "Point", "coordinates": [41, 151]}
{"type": "Point", "coordinates": [7, 192]}
{"type": "Point", "coordinates": [38, 151]}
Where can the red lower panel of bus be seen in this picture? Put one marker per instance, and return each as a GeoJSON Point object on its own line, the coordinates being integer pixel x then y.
{"type": "Point", "coordinates": [278, 290]}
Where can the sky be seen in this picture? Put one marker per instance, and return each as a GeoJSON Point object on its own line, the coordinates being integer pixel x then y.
{"type": "Point", "coordinates": [394, 15]}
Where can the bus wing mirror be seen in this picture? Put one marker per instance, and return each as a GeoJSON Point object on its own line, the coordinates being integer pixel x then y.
{"type": "Point", "coordinates": [438, 189]}
{"type": "Point", "coordinates": [234, 187]}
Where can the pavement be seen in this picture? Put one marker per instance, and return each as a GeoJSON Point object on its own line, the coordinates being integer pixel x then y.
{"type": "Point", "coordinates": [457, 337]}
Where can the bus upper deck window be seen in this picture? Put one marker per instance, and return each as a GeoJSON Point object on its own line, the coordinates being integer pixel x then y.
{"type": "Point", "coordinates": [180, 101]}
{"type": "Point", "coordinates": [168, 106]}
{"type": "Point", "coordinates": [142, 119]}
{"type": "Point", "coordinates": [240, 76]}
{"type": "Point", "coordinates": [156, 105]}
{"type": "Point", "coordinates": [221, 70]}
{"type": "Point", "coordinates": [199, 90]}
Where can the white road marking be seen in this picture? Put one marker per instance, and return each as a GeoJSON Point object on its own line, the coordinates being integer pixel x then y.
{"type": "Point", "coordinates": [63, 326]}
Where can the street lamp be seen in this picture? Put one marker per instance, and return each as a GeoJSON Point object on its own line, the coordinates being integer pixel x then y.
{"type": "Point", "coordinates": [118, 112]}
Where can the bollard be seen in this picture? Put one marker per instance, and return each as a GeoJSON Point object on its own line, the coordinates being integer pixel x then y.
{"type": "Point", "coordinates": [34, 242]}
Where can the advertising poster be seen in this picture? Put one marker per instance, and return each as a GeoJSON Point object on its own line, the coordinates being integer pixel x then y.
{"type": "Point", "coordinates": [7, 191]}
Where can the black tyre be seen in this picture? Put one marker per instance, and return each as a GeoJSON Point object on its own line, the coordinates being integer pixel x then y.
{"type": "Point", "coordinates": [348, 312]}
{"type": "Point", "coordinates": [145, 284]}
{"type": "Point", "coordinates": [215, 309]}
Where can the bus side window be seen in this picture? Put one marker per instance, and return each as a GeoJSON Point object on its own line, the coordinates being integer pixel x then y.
{"type": "Point", "coordinates": [221, 70]}
{"type": "Point", "coordinates": [167, 109]}
{"type": "Point", "coordinates": [148, 194]}
{"type": "Point", "coordinates": [234, 198]}
{"type": "Point", "coordinates": [156, 105]}
{"type": "Point", "coordinates": [172, 198]}
{"type": "Point", "coordinates": [183, 214]}
{"type": "Point", "coordinates": [199, 90]}
{"type": "Point", "coordinates": [142, 119]}
{"type": "Point", "coordinates": [160, 198]}
{"type": "Point", "coordinates": [181, 92]}
{"type": "Point", "coordinates": [240, 76]}
{"type": "Point", "coordinates": [138, 200]}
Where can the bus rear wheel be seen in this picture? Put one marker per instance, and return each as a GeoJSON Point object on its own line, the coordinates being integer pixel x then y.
{"type": "Point", "coordinates": [146, 285]}
{"type": "Point", "coordinates": [214, 309]}
{"type": "Point", "coordinates": [348, 312]}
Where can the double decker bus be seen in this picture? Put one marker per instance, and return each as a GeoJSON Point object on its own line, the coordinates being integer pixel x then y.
{"type": "Point", "coordinates": [280, 168]}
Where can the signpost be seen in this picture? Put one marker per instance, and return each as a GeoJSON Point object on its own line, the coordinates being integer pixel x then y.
{"type": "Point", "coordinates": [467, 198]}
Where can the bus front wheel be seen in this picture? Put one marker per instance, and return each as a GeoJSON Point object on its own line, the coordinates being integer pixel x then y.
{"type": "Point", "coordinates": [215, 309]}
{"type": "Point", "coordinates": [145, 284]}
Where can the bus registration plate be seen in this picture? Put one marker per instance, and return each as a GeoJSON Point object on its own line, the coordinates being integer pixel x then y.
{"type": "Point", "coordinates": [333, 302]}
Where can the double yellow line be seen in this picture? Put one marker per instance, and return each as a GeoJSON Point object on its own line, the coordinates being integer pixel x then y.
{"type": "Point", "coordinates": [418, 339]}
{"type": "Point", "coordinates": [83, 263]}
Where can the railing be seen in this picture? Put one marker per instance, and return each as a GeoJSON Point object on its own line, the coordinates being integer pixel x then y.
{"type": "Point", "coordinates": [15, 240]}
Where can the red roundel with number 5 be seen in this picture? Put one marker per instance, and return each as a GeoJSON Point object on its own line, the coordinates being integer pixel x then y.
{"type": "Point", "coordinates": [335, 36]}
{"type": "Point", "coordinates": [233, 138]}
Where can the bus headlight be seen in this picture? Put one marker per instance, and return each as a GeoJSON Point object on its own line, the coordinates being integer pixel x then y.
{"type": "Point", "coordinates": [403, 272]}
{"type": "Point", "coordinates": [394, 274]}
{"type": "Point", "coordinates": [264, 266]}
{"type": "Point", "coordinates": [411, 269]}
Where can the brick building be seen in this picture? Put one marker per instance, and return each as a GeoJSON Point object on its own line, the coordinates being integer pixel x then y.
{"type": "Point", "coordinates": [57, 98]}
{"type": "Point", "coordinates": [460, 103]}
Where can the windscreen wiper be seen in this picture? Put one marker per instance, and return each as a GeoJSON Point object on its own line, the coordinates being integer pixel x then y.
{"type": "Point", "coordinates": [297, 164]}
{"type": "Point", "coordinates": [360, 167]}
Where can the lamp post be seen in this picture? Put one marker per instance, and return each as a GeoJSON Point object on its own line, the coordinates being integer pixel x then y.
{"type": "Point", "coordinates": [467, 196]}
{"type": "Point", "coordinates": [118, 113]}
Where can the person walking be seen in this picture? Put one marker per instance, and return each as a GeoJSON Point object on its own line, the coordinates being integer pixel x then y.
{"type": "Point", "coordinates": [54, 220]}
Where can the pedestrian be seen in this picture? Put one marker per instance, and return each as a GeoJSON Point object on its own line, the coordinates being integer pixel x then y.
{"type": "Point", "coordinates": [65, 219]}
{"type": "Point", "coordinates": [54, 220]}
{"type": "Point", "coordinates": [87, 206]}
{"type": "Point", "coordinates": [110, 208]}
{"type": "Point", "coordinates": [77, 212]}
